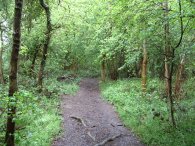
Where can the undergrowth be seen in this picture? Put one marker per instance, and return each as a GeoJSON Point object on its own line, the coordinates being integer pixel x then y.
{"type": "Point", "coordinates": [147, 115]}
{"type": "Point", "coordinates": [38, 120]}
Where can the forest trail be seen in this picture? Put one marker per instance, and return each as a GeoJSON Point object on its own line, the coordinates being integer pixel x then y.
{"type": "Point", "coordinates": [90, 121]}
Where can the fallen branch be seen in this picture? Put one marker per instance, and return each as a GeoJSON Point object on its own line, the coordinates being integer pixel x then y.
{"type": "Point", "coordinates": [108, 140]}
{"type": "Point", "coordinates": [80, 120]}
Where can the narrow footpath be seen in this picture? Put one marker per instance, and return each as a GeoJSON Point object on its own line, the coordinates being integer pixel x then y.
{"type": "Point", "coordinates": [91, 121]}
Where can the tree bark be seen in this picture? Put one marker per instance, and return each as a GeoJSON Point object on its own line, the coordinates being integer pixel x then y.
{"type": "Point", "coordinates": [113, 69]}
{"type": "Point", "coordinates": [103, 69]}
{"type": "Point", "coordinates": [167, 46]}
{"type": "Point", "coordinates": [74, 65]}
{"type": "Point", "coordinates": [181, 69]}
{"type": "Point", "coordinates": [46, 43]}
{"type": "Point", "coordinates": [13, 87]}
{"type": "Point", "coordinates": [169, 55]}
{"type": "Point", "coordinates": [34, 60]}
{"type": "Point", "coordinates": [1, 57]}
{"type": "Point", "coordinates": [179, 77]}
{"type": "Point", "coordinates": [144, 67]}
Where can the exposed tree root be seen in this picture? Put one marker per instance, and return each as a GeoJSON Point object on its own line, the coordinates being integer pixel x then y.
{"type": "Point", "coordinates": [116, 125]}
{"type": "Point", "coordinates": [108, 140]}
{"type": "Point", "coordinates": [80, 120]}
{"type": "Point", "coordinates": [92, 137]}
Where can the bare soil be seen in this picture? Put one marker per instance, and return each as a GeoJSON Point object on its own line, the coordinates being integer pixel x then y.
{"type": "Point", "coordinates": [91, 121]}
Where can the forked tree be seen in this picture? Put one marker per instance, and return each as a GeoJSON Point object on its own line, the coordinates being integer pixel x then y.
{"type": "Point", "coordinates": [170, 55]}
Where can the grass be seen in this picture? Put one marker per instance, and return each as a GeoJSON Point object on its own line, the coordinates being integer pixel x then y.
{"type": "Point", "coordinates": [38, 120]}
{"type": "Point", "coordinates": [147, 115]}
{"type": "Point", "coordinates": [41, 123]}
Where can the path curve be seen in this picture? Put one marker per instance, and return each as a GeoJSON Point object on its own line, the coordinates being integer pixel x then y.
{"type": "Point", "coordinates": [88, 120]}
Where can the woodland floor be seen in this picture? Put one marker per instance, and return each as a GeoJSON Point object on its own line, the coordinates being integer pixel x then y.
{"type": "Point", "coordinates": [90, 121]}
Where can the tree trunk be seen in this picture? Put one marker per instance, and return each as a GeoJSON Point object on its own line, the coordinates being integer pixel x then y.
{"type": "Point", "coordinates": [74, 65]}
{"type": "Point", "coordinates": [9, 138]}
{"type": "Point", "coordinates": [169, 54]}
{"type": "Point", "coordinates": [34, 60]}
{"type": "Point", "coordinates": [144, 67]}
{"type": "Point", "coordinates": [179, 77]}
{"type": "Point", "coordinates": [46, 43]}
{"type": "Point", "coordinates": [167, 47]}
{"type": "Point", "coordinates": [113, 69]}
{"type": "Point", "coordinates": [103, 70]}
{"type": "Point", "coordinates": [178, 80]}
{"type": "Point", "coordinates": [1, 57]}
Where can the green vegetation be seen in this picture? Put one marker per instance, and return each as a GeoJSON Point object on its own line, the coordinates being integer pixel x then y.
{"type": "Point", "coordinates": [47, 45]}
{"type": "Point", "coordinates": [146, 115]}
{"type": "Point", "coordinates": [38, 120]}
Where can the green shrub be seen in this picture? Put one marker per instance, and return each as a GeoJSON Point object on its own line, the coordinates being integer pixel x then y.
{"type": "Point", "coordinates": [37, 119]}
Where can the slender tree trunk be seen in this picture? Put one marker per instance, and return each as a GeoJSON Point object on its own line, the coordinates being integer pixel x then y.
{"type": "Point", "coordinates": [31, 71]}
{"type": "Point", "coordinates": [144, 67]}
{"type": "Point", "coordinates": [171, 61]}
{"type": "Point", "coordinates": [179, 77]}
{"type": "Point", "coordinates": [29, 23]}
{"type": "Point", "coordinates": [34, 60]}
{"type": "Point", "coordinates": [113, 69]}
{"type": "Point", "coordinates": [167, 86]}
{"type": "Point", "coordinates": [67, 67]}
{"type": "Point", "coordinates": [1, 57]}
{"type": "Point", "coordinates": [46, 43]}
{"type": "Point", "coordinates": [74, 65]}
{"type": "Point", "coordinates": [170, 92]}
{"type": "Point", "coordinates": [103, 69]}
{"type": "Point", "coordinates": [169, 54]}
{"type": "Point", "coordinates": [167, 47]}
{"type": "Point", "coordinates": [178, 80]}
{"type": "Point", "coordinates": [13, 88]}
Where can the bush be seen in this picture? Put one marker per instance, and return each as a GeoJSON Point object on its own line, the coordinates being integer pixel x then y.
{"type": "Point", "coordinates": [37, 119]}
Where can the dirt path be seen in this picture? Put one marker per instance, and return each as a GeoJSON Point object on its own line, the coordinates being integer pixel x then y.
{"type": "Point", "coordinates": [89, 121]}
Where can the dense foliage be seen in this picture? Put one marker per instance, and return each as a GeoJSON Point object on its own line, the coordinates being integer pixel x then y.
{"type": "Point", "coordinates": [64, 40]}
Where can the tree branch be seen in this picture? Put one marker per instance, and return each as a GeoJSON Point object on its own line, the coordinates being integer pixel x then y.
{"type": "Point", "coordinates": [181, 23]}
